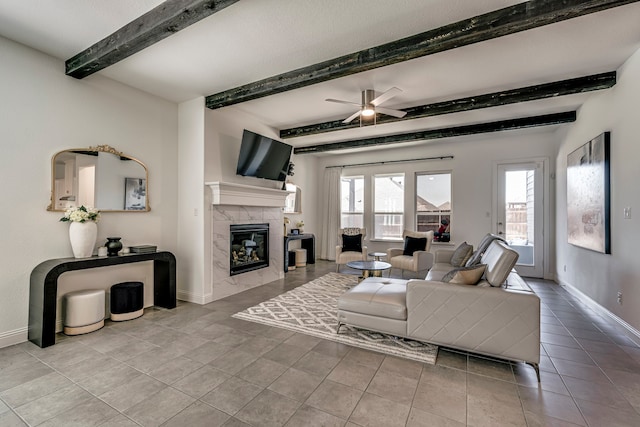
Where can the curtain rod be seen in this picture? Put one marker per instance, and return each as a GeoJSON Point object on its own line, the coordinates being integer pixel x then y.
{"type": "Point", "coordinates": [391, 161]}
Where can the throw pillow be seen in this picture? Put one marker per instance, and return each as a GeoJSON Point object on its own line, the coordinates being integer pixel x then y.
{"type": "Point", "coordinates": [461, 254]}
{"type": "Point", "coordinates": [412, 244]}
{"type": "Point", "coordinates": [351, 231]}
{"type": "Point", "coordinates": [465, 275]}
{"type": "Point", "coordinates": [352, 243]}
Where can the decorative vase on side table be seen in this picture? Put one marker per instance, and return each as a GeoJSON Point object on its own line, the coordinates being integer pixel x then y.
{"type": "Point", "coordinates": [83, 230]}
{"type": "Point", "coordinates": [113, 245]}
{"type": "Point", "coordinates": [82, 236]}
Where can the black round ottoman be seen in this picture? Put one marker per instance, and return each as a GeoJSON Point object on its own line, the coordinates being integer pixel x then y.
{"type": "Point", "coordinates": [127, 301]}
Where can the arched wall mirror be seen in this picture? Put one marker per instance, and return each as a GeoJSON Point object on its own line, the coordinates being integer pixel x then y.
{"type": "Point", "coordinates": [100, 177]}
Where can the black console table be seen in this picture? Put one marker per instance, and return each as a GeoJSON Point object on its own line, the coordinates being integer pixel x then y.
{"type": "Point", "coordinates": [307, 241]}
{"type": "Point", "coordinates": [44, 287]}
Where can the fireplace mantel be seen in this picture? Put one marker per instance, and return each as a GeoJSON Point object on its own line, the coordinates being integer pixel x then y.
{"type": "Point", "coordinates": [228, 193]}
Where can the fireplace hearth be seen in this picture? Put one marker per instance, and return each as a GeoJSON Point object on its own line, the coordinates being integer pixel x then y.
{"type": "Point", "coordinates": [249, 247]}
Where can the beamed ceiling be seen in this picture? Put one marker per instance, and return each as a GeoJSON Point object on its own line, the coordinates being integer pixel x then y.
{"type": "Point", "coordinates": [464, 67]}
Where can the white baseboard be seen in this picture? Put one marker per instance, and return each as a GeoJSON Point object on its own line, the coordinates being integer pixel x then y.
{"type": "Point", "coordinates": [191, 297]}
{"type": "Point", "coordinates": [14, 337]}
{"type": "Point", "coordinates": [208, 298]}
{"type": "Point", "coordinates": [597, 307]}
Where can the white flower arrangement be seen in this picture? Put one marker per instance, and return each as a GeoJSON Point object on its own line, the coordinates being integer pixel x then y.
{"type": "Point", "coordinates": [81, 214]}
{"type": "Point", "coordinates": [300, 224]}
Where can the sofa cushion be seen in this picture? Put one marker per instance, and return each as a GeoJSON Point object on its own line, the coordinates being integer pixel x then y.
{"type": "Point", "coordinates": [461, 254]}
{"type": "Point", "coordinates": [482, 247]}
{"type": "Point", "coordinates": [438, 271]}
{"type": "Point", "coordinates": [465, 275]}
{"type": "Point", "coordinates": [352, 243]}
{"type": "Point", "coordinates": [500, 260]}
{"type": "Point", "coordinates": [377, 296]}
{"type": "Point", "coordinates": [412, 244]}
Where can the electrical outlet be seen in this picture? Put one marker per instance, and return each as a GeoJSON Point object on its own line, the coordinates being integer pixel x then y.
{"type": "Point", "coordinates": [619, 297]}
{"type": "Point", "coordinates": [627, 213]}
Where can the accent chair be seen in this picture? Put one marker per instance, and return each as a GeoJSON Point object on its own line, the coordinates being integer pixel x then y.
{"type": "Point", "coordinates": [350, 246]}
{"type": "Point", "coordinates": [415, 256]}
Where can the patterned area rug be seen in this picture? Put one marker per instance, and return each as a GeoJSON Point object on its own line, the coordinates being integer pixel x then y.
{"type": "Point", "coordinates": [312, 309]}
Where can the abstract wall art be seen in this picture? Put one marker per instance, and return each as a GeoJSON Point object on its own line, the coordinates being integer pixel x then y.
{"type": "Point", "coordinates": [588, 195]}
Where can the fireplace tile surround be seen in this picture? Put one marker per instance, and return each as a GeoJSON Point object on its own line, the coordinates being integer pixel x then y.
{"type": "Point", "coordinates": [235, 204]}
{"type": "Point", "coordinates": [223, 284]}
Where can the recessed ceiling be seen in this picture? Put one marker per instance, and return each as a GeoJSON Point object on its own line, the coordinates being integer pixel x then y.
{"type": "Point", "coordinates": [251, 40]}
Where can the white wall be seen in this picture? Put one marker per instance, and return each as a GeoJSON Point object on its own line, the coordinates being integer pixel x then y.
{"type": "Point", "coordinates": [597, 275]}
{"type": "Point", "coordinates": [191, 209]}
{"type": "Point", "coordinates": [473, 168]}
{"type": "Point", "coordinates": [42, 112]}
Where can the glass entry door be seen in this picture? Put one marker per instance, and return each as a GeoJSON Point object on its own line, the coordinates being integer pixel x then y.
{"type": "Point", "coordinates": [519, 216]}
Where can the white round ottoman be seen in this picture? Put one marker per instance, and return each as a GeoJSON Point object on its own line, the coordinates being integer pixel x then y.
{"type": "Point", "coordinates": [83, 311]}
{"type": "Point", "coordinates": [301, 257]}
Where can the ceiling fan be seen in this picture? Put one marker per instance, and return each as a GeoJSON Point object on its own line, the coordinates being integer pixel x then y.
{"type": "Point", "coordinates": [371, 105]}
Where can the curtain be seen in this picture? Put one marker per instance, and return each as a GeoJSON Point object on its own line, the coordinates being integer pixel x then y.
{"type": "Point", "coordinates": [330, 213]}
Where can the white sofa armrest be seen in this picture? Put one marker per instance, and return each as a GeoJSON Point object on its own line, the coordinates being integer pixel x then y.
{"type": "Point", "coordinates": [486, 320]}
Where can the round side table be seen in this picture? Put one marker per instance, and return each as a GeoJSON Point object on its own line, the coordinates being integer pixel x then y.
{"type": "Point", "coordinates": [377, 255]}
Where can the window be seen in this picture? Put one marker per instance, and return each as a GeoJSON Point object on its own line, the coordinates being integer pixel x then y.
{"type": "Point", "coordinates": [388, 206]}
{"type": "Point", "coordinates": [433, 203]}
{"type": "Point", "coordinates": [352, 202]}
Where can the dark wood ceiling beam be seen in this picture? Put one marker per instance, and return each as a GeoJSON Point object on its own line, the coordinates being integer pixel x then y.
{"type": "Point", "coordinates": [495, 99]}
{"type": "Point", "coordinates": [502, 22]}
{"type": "Point", "coordinates": [511, 124]}
{"type": "Point", "coordinates": [160, 22]}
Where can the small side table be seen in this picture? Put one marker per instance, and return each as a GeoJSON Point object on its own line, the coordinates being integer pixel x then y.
{"type": "Point", "coordinates": [369, 268]}
{"type": "Point", "coordinates": [307, 241]}
{"type": "Point", "coordinates": [377, 255]}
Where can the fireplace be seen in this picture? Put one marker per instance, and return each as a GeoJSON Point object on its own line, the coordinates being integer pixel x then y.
{"type": "Point", "coordinates": [249, 247]}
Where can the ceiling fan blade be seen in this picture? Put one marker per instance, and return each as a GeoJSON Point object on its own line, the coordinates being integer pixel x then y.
{"type": "Point", "coordinates": [342, 102]}
{"type": "Point", "coordinates": [386, 96]}
{"type": "Point", "coordinates": [391, 112]}
{"type": "Point", "coordinates": [351, 117]}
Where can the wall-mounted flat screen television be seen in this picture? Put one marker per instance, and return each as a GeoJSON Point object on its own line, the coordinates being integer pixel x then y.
{"type": "Point", "coordinates": [263, 157]}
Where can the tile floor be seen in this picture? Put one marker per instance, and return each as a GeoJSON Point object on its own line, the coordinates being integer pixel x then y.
{"type": "Point", "coordinates": [197, 366]}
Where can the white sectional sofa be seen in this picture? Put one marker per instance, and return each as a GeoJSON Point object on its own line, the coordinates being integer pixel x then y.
{"type": "Point", "coordinates": [500, 316]}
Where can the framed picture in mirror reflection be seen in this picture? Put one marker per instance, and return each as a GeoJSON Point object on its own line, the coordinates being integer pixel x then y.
{"type": "Point", "coordinates": [135, 194]}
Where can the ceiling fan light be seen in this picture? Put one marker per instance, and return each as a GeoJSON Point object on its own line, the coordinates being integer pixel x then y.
{"type": "Point", "coordinates": [367, 112]}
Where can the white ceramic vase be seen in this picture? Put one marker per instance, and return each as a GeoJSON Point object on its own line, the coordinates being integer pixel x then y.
{"type": "Point", "coordinates": [82, 236]}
